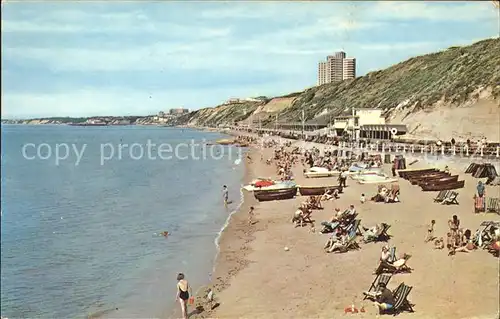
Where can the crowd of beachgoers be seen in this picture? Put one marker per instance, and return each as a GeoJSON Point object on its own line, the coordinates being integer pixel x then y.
{"type": "Point", "coordinates": [335, 215]}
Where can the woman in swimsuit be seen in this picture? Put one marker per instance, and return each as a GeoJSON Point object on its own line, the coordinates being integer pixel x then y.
{"type": "Point", "coordinates": [183, 291]}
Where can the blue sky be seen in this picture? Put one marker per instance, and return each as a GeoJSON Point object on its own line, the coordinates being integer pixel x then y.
{"type": "Point", "coordinates": [123, 58]}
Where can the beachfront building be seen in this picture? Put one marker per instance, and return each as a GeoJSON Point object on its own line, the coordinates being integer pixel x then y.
{"type": "Point", "coordinates": [233, 101]}
{"type": "Point", "coordinates": [336, 68]}
{"type": "Point", "coordinates": [178, 111]}
{"type": "Point", "coordinates": [366, 123]}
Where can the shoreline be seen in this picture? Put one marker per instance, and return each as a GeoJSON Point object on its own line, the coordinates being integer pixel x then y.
{"type": "Point", "coordinates": [219, 242]}
{"type": "Point", "coordinates": [237, 243]}
{"type": "Point", "coordinates": [230, 257]}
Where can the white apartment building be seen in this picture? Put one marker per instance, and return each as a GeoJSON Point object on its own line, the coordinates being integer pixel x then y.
{"type": "Point", "coordinates": [336, 68]}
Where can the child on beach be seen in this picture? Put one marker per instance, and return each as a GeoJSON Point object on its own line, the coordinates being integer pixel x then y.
{"type": "Point", "coordinates": [250, 216]}
{"type": "Point", "coordinates": [430, 232]}
{"type": "Point", "coordinates": [362, 199]}
{"type": "Point", "coordinates": [450, 244]}
{"type": "Point", "coordinates": [225, 195]}
{"type": "Point", "coordinates": [439, 243]}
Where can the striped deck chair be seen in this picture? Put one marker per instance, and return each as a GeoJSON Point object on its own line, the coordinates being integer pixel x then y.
{"type": "Point", "coordinates": [401, 300]}
{"type": "Point", "coordinates": [351, 242]}
{"type": "Point", "coordinates": [372, 292]}
{"type": "Point", "coordinates": [354, 225]}
{"type": "Point", "coordinates": [482, 237]}
{"type": "Point", "coordinates": [392, 257]}
{"type": "Point", "coordinates": [493, 205]}
{"type": "Point", "coordinates": [382, 234]}
{"type": "Point", "coordinates": [479, 204]}
{"type": "Point", "coordinates": [441, 196]}
{"type": "Point", "coordinates": [451, 198]}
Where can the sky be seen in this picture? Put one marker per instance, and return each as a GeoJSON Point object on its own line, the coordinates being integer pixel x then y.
{"type": "Point", "coordinates": [137, 58]}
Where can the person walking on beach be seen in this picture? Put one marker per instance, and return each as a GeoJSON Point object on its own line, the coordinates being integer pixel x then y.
{"type": "Point", "coordinates": [343, 178]}
{"type": "Point", "coordinates": [225, 195]}
{"type": "Point", "coordinates": [183, 291]}
{"type": "Point", "coordinates": [430, 232]}
{"type": "Point", "coordinates": [250, 216]}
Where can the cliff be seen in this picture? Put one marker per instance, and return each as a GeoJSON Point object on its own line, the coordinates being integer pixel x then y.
{"type": "Point", "coordinates": [460, 85]}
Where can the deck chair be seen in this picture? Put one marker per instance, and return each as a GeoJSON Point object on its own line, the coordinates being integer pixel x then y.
{"type": "Point", "coordinates": [493, 205]}
{"type": "Point", "coordinates": [382, 234]}
{"type": "Point", "coordinates": [450, 198]}
{"type": "Point", "coordinates": [314, 203]}
{"type": "Point", "coordinates": [392, 257]}
{"type": "Point", "coordinates": [387, 268]}
{"type": "Point", "coordinates": [401, 300]}
{"type": "Point", "coordinates": [372, 292]}
{"type": "Point", "coordinates": [482, 237]}
{"type": "Point", "coordinates": [351, 242]}
{"type": "Point", "coordinates": [441, 196]}
{"type": "Point", "coordinates": [354, 226]}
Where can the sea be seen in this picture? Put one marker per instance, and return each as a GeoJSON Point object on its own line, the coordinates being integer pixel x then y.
{"type": "Point", "coordinates": [83, 209]}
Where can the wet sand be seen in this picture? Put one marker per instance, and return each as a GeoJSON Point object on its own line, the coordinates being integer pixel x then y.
{"type": "Point", "coordinates": [256, 278]}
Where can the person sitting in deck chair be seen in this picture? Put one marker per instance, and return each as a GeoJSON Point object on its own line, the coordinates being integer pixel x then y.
{"type": "Point", "coordinates": [393, 195]}
{"type": "Point", "coordinates": [385, 300]}
{"type": "Point", "coordinates": [335, 237]}
{"type": "Point", "coordinates": [330, 225]}
{"type": "Point", "coordinates": [372, 232]}
{"type": "Point", "coordinates": [387, 265]}
{"type": "Point", "coordinates": [340, 243]}
{"type": "Point", "coordinates": [313, 202]}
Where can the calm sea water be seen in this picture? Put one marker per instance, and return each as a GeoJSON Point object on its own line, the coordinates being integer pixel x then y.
{"type": "Point", "coordinates": [80, 239]}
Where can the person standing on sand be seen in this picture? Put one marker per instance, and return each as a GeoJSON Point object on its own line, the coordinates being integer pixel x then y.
{"type": "Point", "coordinates": [183, 291]}
{"type": "Point", "coordinates": [343, 178]}
{"type": "Point", "coordinates": [480, 189]}
{"type": "Point", "coordinates": [225, 195]}
{"type": "Point", "coordinates": [430, 232]}
{"type": "Point", "coordinates": [250, 216]}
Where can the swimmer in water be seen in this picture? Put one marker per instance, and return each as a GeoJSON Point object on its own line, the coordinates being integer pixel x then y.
{"type": "Point", "coordinates": [164, 234]}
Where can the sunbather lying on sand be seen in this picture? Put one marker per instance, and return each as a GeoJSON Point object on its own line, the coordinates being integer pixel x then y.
{"type": "Point", "coordinates": [330, 194]}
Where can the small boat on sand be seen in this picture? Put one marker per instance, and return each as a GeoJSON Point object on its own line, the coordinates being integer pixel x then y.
{"type": "Point", "coordinates": [316, 172]}
{"type": "Point", "coordinates": [407, 173]}
{"type": "Point", "coordinates": [275, 194]}
{"type": "Point", "coordinates": [442, 180]}
{"type": "Point", "coordinates": [317, 190]}
{"type": "Point", "coordinates": [442, 187]}
{"type": "Point", "coordinates": [224, 142]}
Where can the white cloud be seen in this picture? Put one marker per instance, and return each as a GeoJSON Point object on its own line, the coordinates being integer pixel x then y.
{"type": "Point", "coordinates": [135, 22]}
{"type": "Point", "coordinates": [400, 10]}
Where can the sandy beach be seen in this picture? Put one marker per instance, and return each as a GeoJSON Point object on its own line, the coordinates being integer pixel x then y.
{"type": "Point", "coordinates": [256, 278]}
